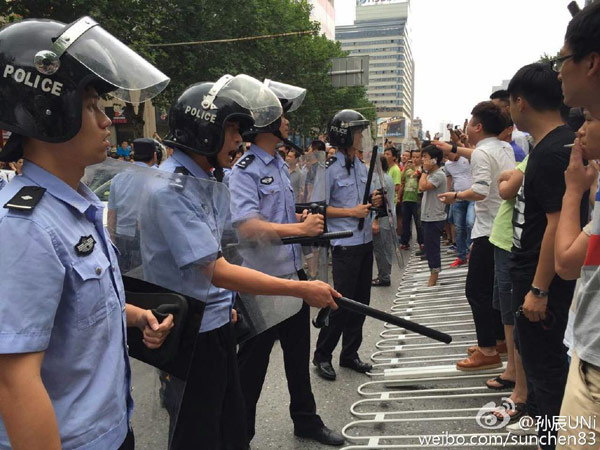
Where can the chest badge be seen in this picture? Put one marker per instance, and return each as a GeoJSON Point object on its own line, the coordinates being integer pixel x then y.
{"type": "Point", "coordinates": [267, 180]}
{"type": "Point", "coordinates": [85, 246]}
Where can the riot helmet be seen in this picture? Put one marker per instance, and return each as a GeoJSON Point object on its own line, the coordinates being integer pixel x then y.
{"type": "Point", "coordinates": [343, 126]}
{"type": "Point", "coordinates": [197, 118]}
{"type": "Point", "coordinates": [45, 66]}
{"type": "Point", "coordinates": [290, 97]}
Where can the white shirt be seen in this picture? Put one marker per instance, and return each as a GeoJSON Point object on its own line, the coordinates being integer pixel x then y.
{"type": "Point", "coordinates": [491, 157]}
{"type": "Point", "coordinates": [520, 139]}
{"type": "Point", "coordinates": [460, 171]}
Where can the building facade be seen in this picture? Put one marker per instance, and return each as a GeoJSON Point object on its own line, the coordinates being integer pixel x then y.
{"type": "Point", "coordinates": [323, 11]}
{"type": "Point", "coordinates": [381, 31]}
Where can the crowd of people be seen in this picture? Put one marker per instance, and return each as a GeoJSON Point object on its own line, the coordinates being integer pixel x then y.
{"type": "Point", "coordinates": [511, 193]}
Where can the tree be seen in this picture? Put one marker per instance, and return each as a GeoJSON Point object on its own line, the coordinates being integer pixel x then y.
{"type": "Point", "coordinates": [299, 60]}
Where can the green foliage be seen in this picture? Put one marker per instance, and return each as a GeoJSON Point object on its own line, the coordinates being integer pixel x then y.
{"type": "Point", "coordinates": [546, 58]}
{"type": "Point", "coordinates": [299, 60]}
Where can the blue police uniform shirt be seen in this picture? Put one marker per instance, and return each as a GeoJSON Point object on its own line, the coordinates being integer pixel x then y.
{"type": "Point", "coordinates": [186, 242]}
{"type": "Point", "coordinates": [70, 306]}
{"type": "Point", "coordinates": [263, 189]}
{"type": "Point", "coordinates": [226, 176]}
{"type": "Point", "coordinates": [346, 191]}
{"type": "Point", "coordinates": [124, 191]}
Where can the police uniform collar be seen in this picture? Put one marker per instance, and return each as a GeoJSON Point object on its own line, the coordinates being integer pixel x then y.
{"type": "Point", "coordinates": [140, 163]}
{"type": "Point", "coordinates": [264, 156]}
{"type": "Point", "coordinates": [191, 165]}
{"type": "Point", "coordinates": [342, 158]}
{"type": "Point", "coordinates": [81, 199]}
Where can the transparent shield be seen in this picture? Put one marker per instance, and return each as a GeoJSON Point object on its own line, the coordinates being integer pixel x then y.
{"type": "Point", "coordinates": [256, 246]}
{"type": "Point", "coordinates": [165, 270]}
{"type": "Point", "coordinates": [135, 78]}
{"type": "Point", "coordinates": [386, 213]}
{"type": "Point", "coordinates": [313, 197]}
{"type": "Point", "coordinates": [255, 96]}
{"type": "Point", "coordinates": [292, 95]}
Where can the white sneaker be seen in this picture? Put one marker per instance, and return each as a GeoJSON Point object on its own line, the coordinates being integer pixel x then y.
{"type": "Point", "coordinates": [522, 428]}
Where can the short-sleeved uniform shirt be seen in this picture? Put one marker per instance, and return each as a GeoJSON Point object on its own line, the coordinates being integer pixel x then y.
{"type": "Point", "coordinates": [263, 190]}
{"type": "Point", "coordinates": [543, 191]}
{"type": "Point", "coordinates": [69, 304]}
{"type": "Point", "coordinates": [179, 237]}
{"type": "Point", "coordinates": [432, 209]}
{"type": "Point", "coordinates": [345, 189]}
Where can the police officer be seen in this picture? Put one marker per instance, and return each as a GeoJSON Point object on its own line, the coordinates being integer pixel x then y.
{"type": "Point", "coordinates": [65, 376]}
{"type": "Point", "coordinates": [352, 257]}
{"type": "Point", "coordinates": [122, 217]}
{"type": "Point", "coordinates": [205, 124]}
{"type": "Point", "coordinates": [264, 199]}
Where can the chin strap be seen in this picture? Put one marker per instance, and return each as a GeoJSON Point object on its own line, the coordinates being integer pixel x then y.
{"type": "Point", "coordinates": [218, 170]}
{"type": "Point", "coordinates": [349, 162]}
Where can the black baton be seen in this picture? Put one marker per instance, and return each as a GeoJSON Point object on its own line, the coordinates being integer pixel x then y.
{"type": "Point", "coordinates": [322, 319]}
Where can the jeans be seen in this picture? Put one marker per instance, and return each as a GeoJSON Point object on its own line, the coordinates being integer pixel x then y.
{"type": "Point", "coordinates": [433, 233]}
{"type": "Point", "coordinates": [463, 215]}
{"type": "Point", "coordinates": [410, 210]}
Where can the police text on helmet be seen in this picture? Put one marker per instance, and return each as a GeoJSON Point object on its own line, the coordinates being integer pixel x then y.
{"type": "Point", "coordinates": [201, 114]}
{"type": "Point", "coordinates": [33, 80]}
{"type": "Point", "coordinates": [339, 130]}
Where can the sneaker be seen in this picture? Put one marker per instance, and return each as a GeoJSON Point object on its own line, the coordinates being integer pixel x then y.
{"type": "Point", "coordinates": [451, 251]}
{"type": "Point", "coordinates": [458, 262]}
{"type": "Point", "coordinates": [421, 250]}
{"type": "Point", "coordinates": [522, 427]}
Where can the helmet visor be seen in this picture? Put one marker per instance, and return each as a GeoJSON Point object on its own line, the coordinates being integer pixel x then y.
{"type": "Point", "coordinates": [292, 95]}
{"type": "Point", "coordinates": [362, 142]}
{"type": "Point", "coordinates": [253, 95]}
{"type": "Point", "coordinates": [135, 79]}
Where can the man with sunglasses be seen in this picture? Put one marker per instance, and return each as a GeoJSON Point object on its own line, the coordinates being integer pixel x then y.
{"type": "Point", "coordinates": [579, 73]}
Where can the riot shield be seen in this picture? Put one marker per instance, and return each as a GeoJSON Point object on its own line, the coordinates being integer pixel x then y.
{"type": "Point", "coordinates": [167, 229]}
{"type": "Point", "coordinates": [313, 197]}
{"type": "Point", "coordinates": [387, 212]}
{"type": "Point", "coordinates": [255, 245]}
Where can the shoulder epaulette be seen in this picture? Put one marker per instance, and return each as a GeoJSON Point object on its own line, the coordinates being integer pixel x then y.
{"type": "Point", "coordinates": [179, 182]}
{"type": "Point", "coordinates": [330, 161]}
{"type": "Point", "coordinates": [245, 162]}
{"type": "Point", "coordinates": [26, 199]}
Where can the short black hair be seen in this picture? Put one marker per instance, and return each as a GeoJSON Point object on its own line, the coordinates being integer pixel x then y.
{"type": "Point", "coordinates": [490, 117]}
{"type": "Point", "coordinates": [539, 85]}
{"type": "Point", "coordinates": [434, 153]}
{"type": "Point", "coordinates": [297, 154]}
{"type": "Point", "coordinates": [384, 164]}
{"type": "Point", "coordinates": [415, 151]}
{"type": "Point", "coordinates": [583, 31]}
{"type": "Point", "coordinates": [507, 119]}
{"type": "Point", "coordinates": [501, 94]}
{"type": "Point", "coordinates": [394, 151]}
{"type": "Point", "coordinates": [318, 145]}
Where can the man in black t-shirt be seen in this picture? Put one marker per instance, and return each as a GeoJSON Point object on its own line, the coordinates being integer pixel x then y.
{"type": "Point", "coordinates": [541, 298]}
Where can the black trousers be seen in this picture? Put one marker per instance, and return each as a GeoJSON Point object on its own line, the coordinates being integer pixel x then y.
{"type": "Point", "coordinates": [129, 442]}
{"type": "Point", "coordinates": [479, 291]}
{"type": "Point", "coordinates": [211, 415]}
{"type": "Point", "coordinates": [352, 273]}
{"type": "Point", "coordinates": [253, 360]}
{"type": "Point", "coordinates": [543, 353]}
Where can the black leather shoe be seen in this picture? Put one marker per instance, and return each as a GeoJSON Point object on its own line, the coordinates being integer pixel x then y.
{"type": "Point", "coordinates": [325, 370]}
{"type": "Point", "coordinates": [323, 435]}
{"type": "Point", "coordinates": [379, 282]}
{"type": "Point", "coordinates": [357, 365]}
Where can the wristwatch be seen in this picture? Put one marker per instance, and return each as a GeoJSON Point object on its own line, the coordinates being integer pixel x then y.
{"type": "Point", "coordinates": [538, 292]}
{"type": "Point", "coordinates": [454, 148]}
